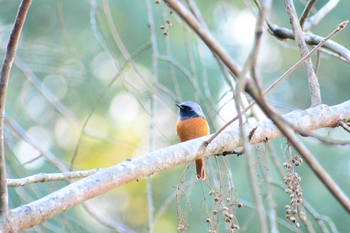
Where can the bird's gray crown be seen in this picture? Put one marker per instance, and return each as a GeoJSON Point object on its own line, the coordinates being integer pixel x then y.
{"type": "Point", "coordinates": [189, 110]}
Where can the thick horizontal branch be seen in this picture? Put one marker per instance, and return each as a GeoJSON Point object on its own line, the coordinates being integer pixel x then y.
{"type": "Point", "coordinates": [45, 208]}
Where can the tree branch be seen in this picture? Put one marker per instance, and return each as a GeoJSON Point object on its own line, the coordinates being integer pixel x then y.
{"type": "Point", "coordinates": [306, 12]}
{"type": "Point", "coordinates": [4, 77]}
{"type": "Point", "coordinates": [250, 64]}
{"type": "Point", "coordinates": [46, 177]}
{"type": "Point", "coordinates": [311, 39]}
{"type": "Point", "coordinates": [316, 18]}
{"type": "Point", "coordinates": [314, 87]}
{"type": "Point", "coordinates": [344, 125]}
{"type": "Point", "coordinates": [45, 208]}
{"type": "Point", "coordinates": [20, 133]}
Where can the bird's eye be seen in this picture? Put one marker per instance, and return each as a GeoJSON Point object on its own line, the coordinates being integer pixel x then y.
{"type": "Point", "coordinates": [189, 108]}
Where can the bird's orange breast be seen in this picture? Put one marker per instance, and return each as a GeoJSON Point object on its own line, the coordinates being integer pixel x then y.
{"type": "Point", "coordinates": [192, 128]}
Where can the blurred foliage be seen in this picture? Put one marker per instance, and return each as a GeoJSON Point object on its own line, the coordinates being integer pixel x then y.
{"type": "Point", "coordinates": [74, 91]}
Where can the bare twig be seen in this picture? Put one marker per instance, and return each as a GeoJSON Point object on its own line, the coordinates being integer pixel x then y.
{"type": "Point", "coordinates": [258, 202]}
{"type": "Point", "coordinates": [299, 38]}
{"type": "Point", "coordinates": [284, 33]}
{"type": "Point", "coordinates": [321, 13]}
{"type": "Point", "coordinates": [107, 222]}
{"type": "Point", "coordinates": [228, 77]}
{"type": "Point", "coordinates": [332, 54]}
{"type": "Point", "coordinates": [55, 102]}
{"type": "Point", "coordinates": [281, 221]}
{"type": "Point", "coordinates": [48, 177]}
{"type": "Point", "coordinates": [306, 133]}
{"type": "Point", "coordinates": [344, 125]}
{"type": "Point", "coordinates": [319, 218]}
{"type": "Point", "coordinates": [340, 27]}
{"type": "Point", "coordinates": [84, 125]}
{"type": "Point", "coordinates": [154, 45]}
{"type": "Point", "coordinates": [269, 191]}
{"type": "Point", "coordinates": [318, 62]}
{"type": "Point", "coordinates": [178, 194]}
{"type": "Point", "coordinates": [250, 64]}
{"type": "Point", "coordinates": [306, 12]}
{"type": "Point", "coordinates": [19, 132]}
{"type": "Point", "coordinates": [4, 77]}
{"type": "Point", "coordinates": [121, 46]}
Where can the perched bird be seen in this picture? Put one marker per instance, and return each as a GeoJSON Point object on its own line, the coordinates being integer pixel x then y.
{"type": "Point", "coordinates": [190, 125]}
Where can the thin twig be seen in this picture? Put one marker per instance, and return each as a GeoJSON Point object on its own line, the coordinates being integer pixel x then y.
{"type": "Point", "coordinates": [154, 45]}
{"type": "Point", "coordinates": [197, 14]}
{"type": "Point", "coordinates": [321, 13]}
{"type": "Point", "coordinates": [48, 177]}
{"type": "Point", "coordinates": [15, 129]}
{"type": "Point", "coordinates": [335, 55]}
{"type": "Point", "coordinates": [311, 39]}
{"type": "Point", "coordinates": [344, 125]}
{"type": "Point", "coordinates": [83, 126]}
{"type": "Point", "coordinates": [269, 191]}
{"type": "Point", "coordinates": [178, 194]}
{"type": "Point", "coordinates": [318, 62]}
{"type": "Point", "coordinates": [255, 191]}
{"type": "Point", "coordinates": [121, 46]}
{"type": "Point", "coordinates": [306, 12]}
{"type": "Point", "coordinates": [306, 133]}
{"type": "Point", "coordinates": [4, 77]}
{"type": "Point", "coordinates": [250, 64]}
{"type": "Point", "coordinates": [319, 218]}
{"type": "Point", "coordinates": [340, 27]}
{"type": "Point", "coordinates": [107, 222]}
{"type": "Point", "coordinates": [61, 108]}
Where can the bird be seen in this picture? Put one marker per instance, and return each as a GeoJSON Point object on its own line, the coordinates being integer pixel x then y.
{"type": "Point", "coordinates": [190, 125]}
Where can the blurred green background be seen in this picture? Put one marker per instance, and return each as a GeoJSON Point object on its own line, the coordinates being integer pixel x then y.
{"type": "Point", "coordinates": [74, 91]}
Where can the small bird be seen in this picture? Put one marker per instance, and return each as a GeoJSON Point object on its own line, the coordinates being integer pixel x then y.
{"type": "Point", "coordinates": [190, 125]}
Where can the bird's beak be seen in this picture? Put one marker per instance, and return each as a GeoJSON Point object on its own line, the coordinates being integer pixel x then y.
{"type": "Point", "coordinates": [179, 105]}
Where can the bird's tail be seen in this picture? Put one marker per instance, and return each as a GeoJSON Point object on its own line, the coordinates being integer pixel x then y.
{"type": "Point", "coordinates": [200, 169]}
